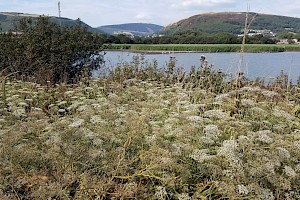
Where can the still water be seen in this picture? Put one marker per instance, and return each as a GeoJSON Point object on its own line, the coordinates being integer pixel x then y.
{"type": "Point", "coordinates": [264, 65]}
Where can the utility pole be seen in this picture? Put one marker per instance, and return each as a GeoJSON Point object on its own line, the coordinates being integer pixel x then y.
{"type": "Point", "coordinates": [59, 13]}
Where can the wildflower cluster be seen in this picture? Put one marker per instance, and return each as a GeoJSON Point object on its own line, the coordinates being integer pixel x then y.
{"type": "Point", "coordinates": [141, 136]}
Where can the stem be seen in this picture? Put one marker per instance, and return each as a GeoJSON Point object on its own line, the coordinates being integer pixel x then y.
{"type": "Point", "coordinates": [246, 30]}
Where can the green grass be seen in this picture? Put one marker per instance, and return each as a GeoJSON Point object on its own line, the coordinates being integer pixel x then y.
{"type": "Point", "coordinates": [205, 47]}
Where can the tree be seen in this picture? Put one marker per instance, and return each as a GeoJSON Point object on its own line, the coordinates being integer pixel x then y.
{"type": "Point", "coordinates": [260, 39]}
{"type": "Point", "coordinates": [297, 36]}
{"type": "Point", "coordinates": [137, 40]}
{"type": "Point", "coordinates": [124, 39]}
{"type": "Point", "coordinates": [285, 35]}
{"type": "Point", "coordinates": [44, 51]}
{"type": "Point", "coordinates": [225, 38]}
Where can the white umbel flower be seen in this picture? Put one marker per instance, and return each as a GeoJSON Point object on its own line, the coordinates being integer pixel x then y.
{"type": "Point", "coordinates": [289, 172]}
{"type": "Point", "coordinates": [77, 123]}
{"type": "Point", "coordinates": [242, 190]}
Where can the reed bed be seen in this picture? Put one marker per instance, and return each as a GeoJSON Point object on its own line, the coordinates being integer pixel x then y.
{"type": "Point", "coordinates": [205, 47]}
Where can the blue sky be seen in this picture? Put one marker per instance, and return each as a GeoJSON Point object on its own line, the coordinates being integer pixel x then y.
{"type": "Point", "coordinates": [162, 12]}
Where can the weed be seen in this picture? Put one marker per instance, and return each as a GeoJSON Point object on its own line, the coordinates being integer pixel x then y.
{"type": "Point", "coordinates": [148, 133]}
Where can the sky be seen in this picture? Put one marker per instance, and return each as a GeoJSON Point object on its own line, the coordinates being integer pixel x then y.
{"type": "Point", "coordinates": [162, 12]}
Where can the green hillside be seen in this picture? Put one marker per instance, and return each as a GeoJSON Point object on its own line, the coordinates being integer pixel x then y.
{"type": "Point", "coordinates": [232, 22]}
{"type": "Point", "coordinates": [140, 29]}
{"type": "Point", "coordinates": [8, 20]}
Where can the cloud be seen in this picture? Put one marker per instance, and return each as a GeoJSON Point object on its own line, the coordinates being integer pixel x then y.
{"type": "Point", "coordinates": [203, 3]}
{"type": "Point", "coordinates": [143, 16]}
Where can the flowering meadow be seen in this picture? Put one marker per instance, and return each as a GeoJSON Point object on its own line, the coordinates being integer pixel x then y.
{"type": "Point", "coordinates": [143, 133]}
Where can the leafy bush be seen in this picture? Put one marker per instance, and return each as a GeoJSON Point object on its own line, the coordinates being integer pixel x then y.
{"type": "Point", "coordinates": [44, 51]}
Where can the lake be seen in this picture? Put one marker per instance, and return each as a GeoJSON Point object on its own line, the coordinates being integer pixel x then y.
{"type": "Point", "coordinates": [265, 65]}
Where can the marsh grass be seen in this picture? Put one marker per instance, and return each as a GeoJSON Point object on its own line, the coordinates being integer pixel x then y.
{"type": "Point", "coordinates": [204, 47]}
{"type": "Point", "coordinates": [141, 132]}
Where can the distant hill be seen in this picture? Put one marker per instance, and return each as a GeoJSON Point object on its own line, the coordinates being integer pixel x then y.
{"type": "Point", "coordinates": [9, 19]}
{"type": "Point", "coordinates": [139, 29]}
{"type": "Point", "coordinates": [233, 22]}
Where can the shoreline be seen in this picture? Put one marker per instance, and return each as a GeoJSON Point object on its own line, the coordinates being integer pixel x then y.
{"type": "Point", "coordinates": [174, 52]}
{"type": "Point", "coordinates": [157, 51]}
{"type": "Point", "coordinates": [202, 48]}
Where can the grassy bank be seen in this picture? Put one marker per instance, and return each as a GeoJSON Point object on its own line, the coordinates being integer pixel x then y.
{"type": "Point", "coordinates": [140, 133]}
{"type": "Point", "coordinates": [204, 47]}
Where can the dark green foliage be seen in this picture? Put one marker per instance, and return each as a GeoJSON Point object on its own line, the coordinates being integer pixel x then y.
{"type": "Point", "coordinates": [44, 51]}
{"type": "Point", "coordinates": [190, 37]}
{"type": "Point", "coordinates": [260, 39]}
{"type": "Point", "coordinates": [286, 35]}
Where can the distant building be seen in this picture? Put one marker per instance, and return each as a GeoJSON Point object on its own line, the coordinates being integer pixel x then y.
{"type": "Point", "coordinates": [157, 35]}
{"type": "Point", "coordinates": [287, 41]}
{"type": "Point", "coordinates": [126, 33]}
{"type": "Point", "coordinates": [253, 32]}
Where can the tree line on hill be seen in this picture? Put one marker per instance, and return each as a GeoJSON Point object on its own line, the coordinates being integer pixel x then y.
{"type": "Point", "coordinates": [190, 37]}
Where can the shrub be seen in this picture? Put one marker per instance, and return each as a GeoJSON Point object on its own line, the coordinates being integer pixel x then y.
{"type": "Point", "coordinates": [44, 51]}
